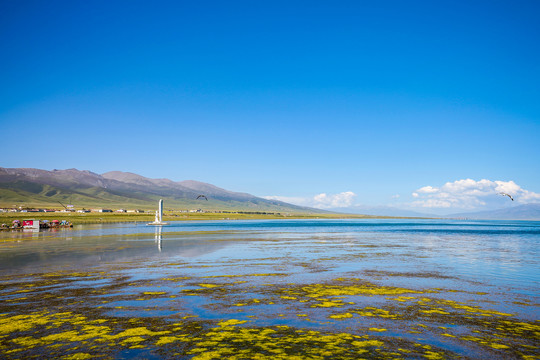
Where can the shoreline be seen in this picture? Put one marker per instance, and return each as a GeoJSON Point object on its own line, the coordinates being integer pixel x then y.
{"type": "Point", "coordinates": [99, 218]}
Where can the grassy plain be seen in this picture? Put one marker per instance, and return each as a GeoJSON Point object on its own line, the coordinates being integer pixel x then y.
{"type": "Point", "coordinates": [95, 218]}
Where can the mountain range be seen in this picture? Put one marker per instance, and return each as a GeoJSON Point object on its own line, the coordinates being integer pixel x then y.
{"type": "Point", "coordinates": [519, 212]}
{"type": "Point", "coordinates": [381, 211]}
{"type": "Point", "coordinates": [82, 188]}
{"type": "Point", "coordinates": [29, 187]}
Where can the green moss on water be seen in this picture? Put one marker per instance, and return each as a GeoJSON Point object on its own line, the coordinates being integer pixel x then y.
{"type": "Point", "coordinates": [342, 317]}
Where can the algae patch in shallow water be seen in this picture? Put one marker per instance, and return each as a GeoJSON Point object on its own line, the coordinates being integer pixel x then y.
{"type": "Point", "coordinates": [187, 309]}
{"type": "Point", "coordinates": [283, 342]}
{"type": "Point", "coordinates": [350, 288]}
{"type": "Point", "coordinates": [60, 332]}
{"type": "Point", "coordinates": [103, 336]}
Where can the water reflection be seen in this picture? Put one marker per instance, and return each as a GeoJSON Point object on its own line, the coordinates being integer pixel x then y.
{"type": "Point", "coordinates": [33, 232]}
{"type": "Point", "coordinates": [157, 237]}
{"type": "Point", "coordinates": [471, 249]}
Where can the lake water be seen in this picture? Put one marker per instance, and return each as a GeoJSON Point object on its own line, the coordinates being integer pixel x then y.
{"type": "Point", "coordinates": [273, 289]}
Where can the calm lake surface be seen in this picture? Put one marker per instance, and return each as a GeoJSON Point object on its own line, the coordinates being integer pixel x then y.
{"type": "Point", "coordinates": [273, 289]}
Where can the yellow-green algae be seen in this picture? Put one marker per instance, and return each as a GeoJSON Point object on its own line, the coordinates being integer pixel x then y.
{"type": "Point", "coordinates": [101, 336]}
{"type": "Point", "coordinates": [67, 329]}
{"type": "Point", "coordinates": [282, 342]}
{"type": "Point", "coordinates": [68, 333]}
{"type": "Point", "coordinates": [243, 275]}
{"type": "Point", "coordinates": [324, 290]}
{"type": "Point", "coordinates": [371, 311]}
{"type": "Point", "coordinates": [341, 316]}
{"type": "Point", "coordinates": [78, 356]}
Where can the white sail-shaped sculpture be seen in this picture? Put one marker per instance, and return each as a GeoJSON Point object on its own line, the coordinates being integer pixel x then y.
{"type": "Point", "coordinates": [159, 215]}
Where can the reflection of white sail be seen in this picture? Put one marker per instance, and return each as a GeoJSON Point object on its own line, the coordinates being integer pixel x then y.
{"type": "Point", "coordinates": [157, 237]}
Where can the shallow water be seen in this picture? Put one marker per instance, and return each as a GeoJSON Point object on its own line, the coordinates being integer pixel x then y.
{"type": "Point", "coordinates": [276, 288]}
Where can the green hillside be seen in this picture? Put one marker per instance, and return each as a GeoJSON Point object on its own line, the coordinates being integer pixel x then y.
{"type": "Point", "coordinates": [32, 196]}
{"type": "Point", "coordinates": [23, 188]}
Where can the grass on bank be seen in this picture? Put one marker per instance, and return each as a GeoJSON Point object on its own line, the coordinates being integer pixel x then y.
{"type": "Point", "coordinates": [96, 218]}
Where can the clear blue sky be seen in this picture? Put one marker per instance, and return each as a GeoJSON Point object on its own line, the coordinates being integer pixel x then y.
{"type": "Point", "coordinates": [281, 98]}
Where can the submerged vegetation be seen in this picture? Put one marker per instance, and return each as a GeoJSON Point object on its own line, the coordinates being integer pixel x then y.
{"type": "Point", "coordinates": [50, 315]}
{"type": "Point", "coordinates": [259, 307]}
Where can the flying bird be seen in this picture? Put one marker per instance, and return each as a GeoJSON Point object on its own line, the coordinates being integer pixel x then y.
{"type": "Point", "coordinates": [202, 196]}
{"type": "Point", "coordinates": [505, 194]}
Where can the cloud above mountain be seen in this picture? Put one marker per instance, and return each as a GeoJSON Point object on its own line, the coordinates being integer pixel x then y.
{"type": "Point", "coordinates": [470, 194]}
{"type": "Point", "coordinates": [320, 201]}
{"type": "Point", "coordinates": [459, 195]}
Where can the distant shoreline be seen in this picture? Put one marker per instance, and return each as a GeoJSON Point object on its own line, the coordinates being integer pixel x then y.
{"type": "Point", "coordinates": [100, 218]}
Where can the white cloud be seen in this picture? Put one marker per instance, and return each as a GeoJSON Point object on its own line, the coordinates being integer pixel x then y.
{"type": "Point", "coordinates": [509, 187]}
{"type": "Point", "coordinates": [529, 196]}
{"type": "Point", "coordinates": [427, 190]}
{"type": "Point", "coordinates": [344, 199]}
{"type": "Point", "coordinates": [320, 201]}
{"type": "Point", "coordinates": [471, 194]}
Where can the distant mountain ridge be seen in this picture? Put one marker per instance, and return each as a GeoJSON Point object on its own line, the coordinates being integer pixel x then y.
{"type": "Point", "coordinates": [116, 189]}
{"type": "Point", "coordinates": [83, 188]}
{"type": "Point", "coordinates": [519, 212]}
{"type": "Point", "coordinates": [191, 187]}
{"type": "Point", "coordinates": [382, 211]}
